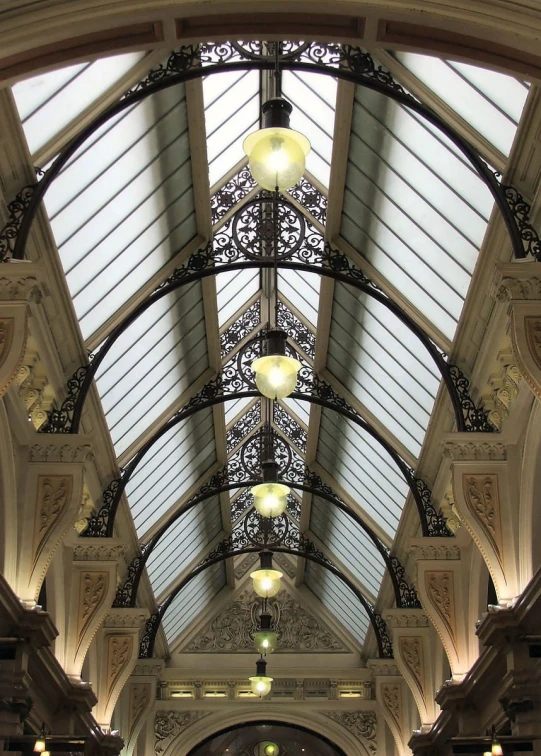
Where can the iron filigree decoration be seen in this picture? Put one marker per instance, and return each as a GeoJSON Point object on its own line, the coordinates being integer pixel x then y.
{"type": "Point", "coordinates": [240, 504]}
{"type": "Point", "coordinates": [521, 212]}
{"type": "Point", "coordinates": [16, 210]}
{"type": "Point", "coordinates": [289, 427]}
{"type": "Point", "coordinates": [311, 199]}
{"type": "Point", "coordinates": [244, 425]}
{"type": "Point", "coordinates": [296, 330]}
{"type": "Point", "coordinates": [231, 193]}
{"type": "Point", "coordinates": [475, 418]}
{"type": "Point", "coordinates": [240, 329]}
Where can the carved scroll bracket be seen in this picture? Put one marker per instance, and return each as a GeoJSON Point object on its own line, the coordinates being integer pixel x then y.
{"type": "Point", "coordinates": [391, 691]}
{"type": "Point", "coordinates": [413, 641]}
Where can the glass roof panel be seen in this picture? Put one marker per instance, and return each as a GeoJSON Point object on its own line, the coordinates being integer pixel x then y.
{"type": "Point", "coordinates": [192, 599]}
{"type": "Point", "coordinates": [232, 106]}
{"type": "Point", "coordinates": [234, 288]}
{"type": "Point", "coordinates": [412, 207]}
{"type": "Point", "coordinates": [383, 364]}
{"type": "Point", "coordinates": [363, 469]}
{"type": "Point", "coordinates": [300, 409]}
{"type": "Point", "coordinates": [154, 362]}
{"type": "Point", "coordinates": [349, 543]}
{"type": "Point", "coordinates": [338, 599]}
{"type": "Point", "coordinates": [176, 462]}
{"type": "Point", "coordinates": [121, 209]}
{"type": "Point", "coordinates": [233, 407]}
{"type": "Point", "coordinates": [49, 101]}
{"type": "Point", "coordinates": [314, 101]}
{"type": "Point", "coordinates": [302, 290]}
{"type": "Point", "coordinates": [491, 102]}
{"type": "Point", "coordinates": [183, 543]}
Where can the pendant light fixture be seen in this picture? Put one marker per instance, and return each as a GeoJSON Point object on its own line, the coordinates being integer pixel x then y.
{"type": "Point", "coordinates": [496, 746]}
{"type": "Point", "coordinates": [270, 497]}
{"type": "Point", "coordinates": [276, 153]}
{"type": "Point", "coordinates": [275, 373]}
{"type": "Point", "coordinates": [260, 682]}
{"type": "Point", "coordinates": [40, 745]}
{"type": "Point", "coordinates": [266, 580]}
{"type": "Point", "coordinates": [265, 640]}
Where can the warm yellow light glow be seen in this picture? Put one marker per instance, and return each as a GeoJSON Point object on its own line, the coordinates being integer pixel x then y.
{"type": "Point", "coordinates": [266, 583]}
{"type": "Point", "coordinates": [270, 499]}
{"type": "Point", "coordinates": [261, 685]}
{"type": "Point", "coordinates": [39, 745]}
{"type": "Point", "coordinates": [271, 749]}
{"type": "Point", "coordinates": [497, 749]}
{"type": "Point", "coordinates": [265, 641]}
{"type": "Point", "coordinates": [277, 157]}
{"type": "Point", "coordinates": [276, 375]}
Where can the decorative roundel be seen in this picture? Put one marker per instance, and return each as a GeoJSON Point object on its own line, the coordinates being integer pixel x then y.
{"type": "Point", "coordinates": [264, 532]}
{"type": "Point", "coordinates": [251, 453]}
{"type": "Point", "coordinates": [266, 223]}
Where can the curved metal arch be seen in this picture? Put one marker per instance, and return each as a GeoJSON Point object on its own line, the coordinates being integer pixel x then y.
{"type": "Point", "coordinates": [398, 94]}
{"type": "Point", "coordinates": [378, 624]}
{"type": "Point", "coordinates": [126, 595]}
{"type": "Point", "coordinates": [103, 522]}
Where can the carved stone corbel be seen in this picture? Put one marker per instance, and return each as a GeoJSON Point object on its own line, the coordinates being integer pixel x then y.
{"type": "Point", "coordinates": [50, 500]}
{"type": "Point", "coordinates": [391, 694]}
{"type": "Point", "coordinates": [137, 700]}
{"type": "Point", "coordinates": [483, 480]}
{"type": "Point", "coordinates": [113, 658]}
{"type": "Point", "coordinates": [519, 284]}
{"type": "Point", "coordinates": [89, 593]}
{"type": "Point", "coordinates": [413, 643]}
{"type": "Point", "coordinates": [442, 589]}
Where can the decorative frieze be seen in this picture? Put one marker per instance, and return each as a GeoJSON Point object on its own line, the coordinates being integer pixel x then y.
{"type": "Point", "coordinates": [127, 618]}
{"type": "Point", "coordinates": [462, 449]}
{"type": "Point", "coordinates": [434, 549]}
{"type": "Point", "coordinates": [411, 618]}
{"type": "Point", "coordinates": [362, 724]}
{"type": "Point", "coordinates": [19, 288]}
{"type": "Point", "coordinates": [169, 724]}
{"type": "Point", "coordinates": [233, 629]}
{"type": "Point", "coordinates": [98, 550]}
{"type": "Point", "coordinates": [54, 452]}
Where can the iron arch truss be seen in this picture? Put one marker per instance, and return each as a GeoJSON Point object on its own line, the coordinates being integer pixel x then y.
{"type": "Point", "coordinates": [340, 61]}
{"type": "Point", "coordinates": [231, 547]}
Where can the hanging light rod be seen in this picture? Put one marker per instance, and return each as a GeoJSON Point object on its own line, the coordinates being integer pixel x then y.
{"type": "Point", "coordinates": [275, 373]}
{"type": "Point", "coordinates": [276, 153]}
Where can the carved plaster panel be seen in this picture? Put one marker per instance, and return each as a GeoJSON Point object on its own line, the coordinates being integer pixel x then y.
{"type": "Point", "coordinates": [140, 695]}
{"type": "Point", "coordinates": [482, 498]}
{"type": "Point", "coordinates": [283, 562]}
{"type": "Point", "coordinates": [391, 700]}
{"type": "Point", "coordinates": [169, 724]}
{"type": "Point", "coordinates": [428, 549]}
{"type": "Point", "coordinates": [440, 588]}
{"type": "Point", "coordinates": [412, 618]}
{"type": "Point", "coordinates": [467, 450]}
{"type": "Point", "coordinates": [298, 629]}
{"type": "Point", "coordinates": [244, 565]}
{"type": "Point", "coordinates": [119, 653]}
{"type": "Point", "coordinates": [13, 339]}
{"type": "Point", "coordinates": [6, 338]}
{"type": "Point", "coordinates": [411, 652]}
{"type": "Point", "coordinates": [128, 618]}
{"type": "Point", "coordinates": [19, 288]}
{"type": "Point", "coordinates": [53, 496]}
{"type": "Point", "coordinates": [532, 327]}
{"type": "Point", "coordinates": [362, 724]}
{"type": "Point", "coordinates": [106, 550]}
{"type": "Point", "coordinates": [93, 588]}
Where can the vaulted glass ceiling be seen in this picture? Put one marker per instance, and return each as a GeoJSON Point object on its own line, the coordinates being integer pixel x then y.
{"type": "Point", "coordinates": [411, 212]}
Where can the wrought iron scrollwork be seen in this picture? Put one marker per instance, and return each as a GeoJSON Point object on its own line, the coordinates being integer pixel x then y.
{"type": "Point", "coordinates": [60, 420]}
{"type": "Point", "coordinates": [290, 427]}
{"type": "Point", "coordinates": [16, 209]}
{"type": "Point", "coordinates": [521, 212]}
{"type": "Point", "coordinates": [296, 330]}
{"type": "Point", "coordinates": [294, 507]}
{"type": "Point", "coordinates": [146, 645]}
{"type": "Point", "coordinates": [98, 523]}
{"type": "Point", "coordinates": [243, 427]}
{"type": "Point", "coordinates": [386, 644]}
{"type": "Point", "coordinates": [183, 59]}
{"type": "Point", "coordinates": [268, 221]}
{"type": "Point", "coordinates": [240, 504]}
{"type": "Point", "coordinates": [125, 591]}
{"type": "Point", "coordinates": [408, 595]}
{"type": "Point", "coordinates": [242, 327]}
{"type": "Point", "coordinates": [230, 194]}
{"type": "Point", "coordinates": [435, 520]}
{"type": "Point", "coordinates": [311, 199]}
{"type": "Point", "coordinates": [475, 418]}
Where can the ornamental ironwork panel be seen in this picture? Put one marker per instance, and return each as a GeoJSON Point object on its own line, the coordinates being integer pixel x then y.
{"type": "Point", "coordinates": [296, 330]}
{"type": "Point", "coordinates": [313, 201]}
{"type": "Point", "coordinates": [230, 194]}
{"type": "Point", "coordinates": [290, 427]}
{"type": "Point", "coordinates": [243, 427]}
{"type": "Point", "coordinates": [242, 327]}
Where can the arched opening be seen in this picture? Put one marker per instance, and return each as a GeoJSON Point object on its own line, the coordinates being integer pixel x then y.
{"type": "Point", "coordinates": [267, 738]}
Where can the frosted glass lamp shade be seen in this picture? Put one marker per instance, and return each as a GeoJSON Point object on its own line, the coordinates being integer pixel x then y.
{"type": "Point", "coordinates": [261, 685]}
{"type": "Point", "coordinates": [270, 499]}
{"type": "Point", "coordinates": [266, 583]}
{"type": "Point", "coordinates": [265, 641]}
{"type": "Point", "coordinates": [276, 375]}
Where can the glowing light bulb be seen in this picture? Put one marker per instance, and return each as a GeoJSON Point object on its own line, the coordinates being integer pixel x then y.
{"type": "Point", "coordinates": [270, 499]}
{"type": "Point", "coordinates": [276, 375]}
{"type": "Point", "coordinates": [39, 745]}
{"type": "Point", "coordinates": [266, 583]}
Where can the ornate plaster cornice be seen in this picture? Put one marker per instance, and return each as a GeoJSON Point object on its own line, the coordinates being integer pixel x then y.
{"type": "Point", "coordinates": [126, 618]}
{"type": "Point", "coordinates": [460, 448]}
{"type": "Point", "coordinates": [406, 618]}
{"type": "Point", "coordinates": [98, 550]}
{"type": "Point", "coordinates": [148, 667]}
{"type": "Point", "coordinates": [65, 453]}
{"type": "Point", "coordinates": [381, 668]}
{"type": "Point", "coordinates": [517, 281]}
{"type": "Point", "coordinates": [434, 548]}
